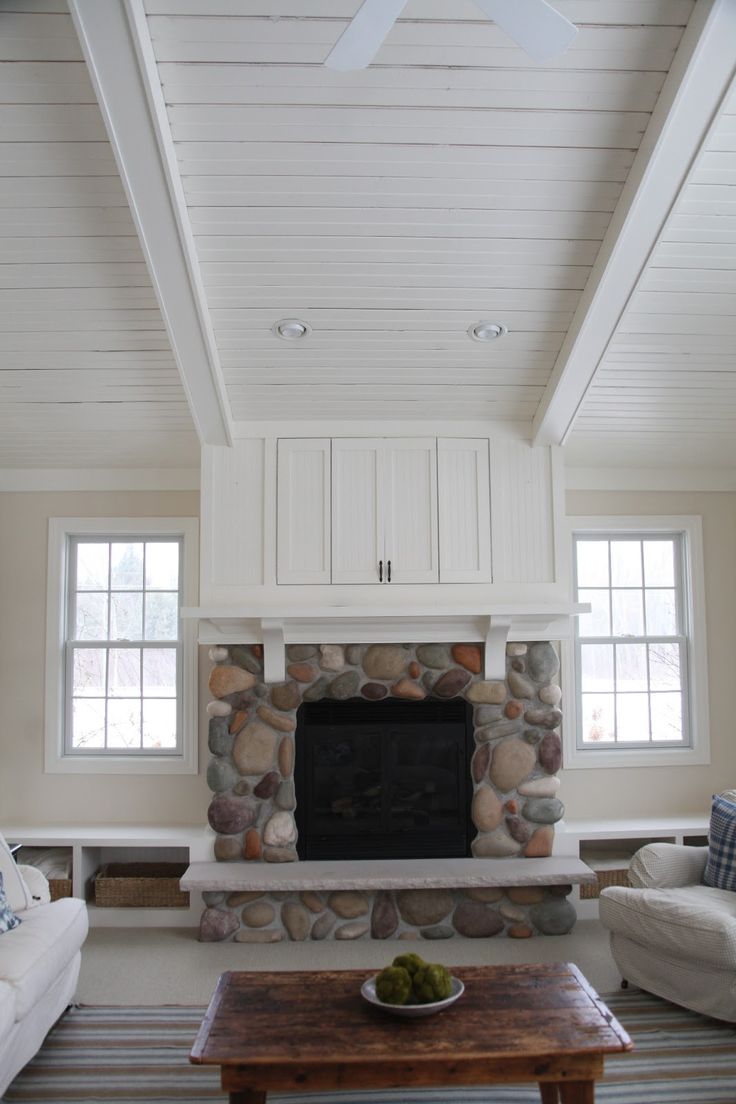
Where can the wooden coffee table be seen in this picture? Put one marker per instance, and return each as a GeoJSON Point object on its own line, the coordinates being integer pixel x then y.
{"type": "Point", "coordinates": [313, 1032]}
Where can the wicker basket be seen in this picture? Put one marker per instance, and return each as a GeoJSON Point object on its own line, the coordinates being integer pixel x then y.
{"type": "Point", "coordinates": [140, 885]}
{"type": "Point", "coordinates": [605, 878]}
{"type": "Point", "coordinates": [60, 887]}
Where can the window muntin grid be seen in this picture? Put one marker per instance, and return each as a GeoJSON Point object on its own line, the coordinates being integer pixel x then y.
{"type": "Point", "coordinates": [631, 650]}
{"type": "Point", "coordinates": [123, 652]}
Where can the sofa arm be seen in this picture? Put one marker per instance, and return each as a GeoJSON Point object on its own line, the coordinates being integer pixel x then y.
{"type": "Point", "coordinates": [667, 865]}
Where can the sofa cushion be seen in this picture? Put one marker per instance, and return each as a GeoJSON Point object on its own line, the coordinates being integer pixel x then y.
{"type": "Point", "coordinates": [8, 919]}
{"type": "Point", "coordinates": [16, 889]}
{"type": "Point", "coordinates": [33, 955]}
{"type": "Point", "coordinates": [694, 922]}
{"type": "Point", "coordinates": [7, 1008]}
{"type": "Point", "coordinates": [720, 870]}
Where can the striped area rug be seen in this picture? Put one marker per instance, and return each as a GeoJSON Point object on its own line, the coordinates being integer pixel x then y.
{"type": "Point", "coordinates": [139, 1056]}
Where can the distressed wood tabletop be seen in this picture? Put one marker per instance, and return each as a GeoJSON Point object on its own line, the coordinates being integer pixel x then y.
{"type": "Point", "coordinates": [304, 1030]}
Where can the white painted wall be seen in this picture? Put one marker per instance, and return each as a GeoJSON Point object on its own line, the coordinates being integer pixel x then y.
{"type": "Point", "coordinates": [27, 795]}
{"type": "Point", "coordinates": [674, 790]}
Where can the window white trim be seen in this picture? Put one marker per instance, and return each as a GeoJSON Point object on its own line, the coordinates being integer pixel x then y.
{"type": "Point", "coordinates": [698, 753]}
{"type": "Point", "coordinates": [55, 761]}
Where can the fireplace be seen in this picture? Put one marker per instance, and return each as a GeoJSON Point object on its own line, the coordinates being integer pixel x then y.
{"type": "Point", "coordinates": [387, 779]}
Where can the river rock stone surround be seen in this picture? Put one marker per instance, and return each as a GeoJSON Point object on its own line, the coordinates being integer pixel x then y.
{"type": "Point", "coordinates": [514, 771]}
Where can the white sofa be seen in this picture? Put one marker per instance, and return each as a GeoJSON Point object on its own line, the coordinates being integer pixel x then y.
{"type": "Point", "coordinates": [670, 934]}
{"type": "Point", "coordinates": [39, 967]}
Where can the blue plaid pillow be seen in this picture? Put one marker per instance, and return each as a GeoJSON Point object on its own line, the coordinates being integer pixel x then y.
{"type": "Point", "coordinates": [8, 919]}
{"type": "Point", "coordinates": [720, 870]}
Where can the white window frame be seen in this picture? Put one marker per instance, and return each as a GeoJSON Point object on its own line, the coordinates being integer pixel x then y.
{"type": "Point", "coordinates": [696, 691]}
{"type": "Point", "coordinates": [56, 760]}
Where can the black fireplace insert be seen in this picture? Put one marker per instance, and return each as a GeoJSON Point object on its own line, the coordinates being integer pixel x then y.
{"type": "Point", "coordinates": [387, 779]}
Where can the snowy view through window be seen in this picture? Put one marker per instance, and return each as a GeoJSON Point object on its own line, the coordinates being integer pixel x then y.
{"type": "Point", "coordinates": [123, 650]}
{"type": "Point", "coordinates": [631, 648]}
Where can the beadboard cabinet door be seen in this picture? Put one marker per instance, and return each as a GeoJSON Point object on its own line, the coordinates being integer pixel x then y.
{"type": "Point", "coordinates": [410, 479]}
{"type": "Point", "coordinates": [464, 504]}
{"type": "Point", "coordinates": [358, 497]}
{"type": "Point", "coordinates": [303, 511]}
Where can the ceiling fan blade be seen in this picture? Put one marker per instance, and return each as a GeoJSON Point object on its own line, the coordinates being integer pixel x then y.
{"type": "Point", "coordinates": [363, 37]}
{"type": "Point", "coordinates": [534, 25]}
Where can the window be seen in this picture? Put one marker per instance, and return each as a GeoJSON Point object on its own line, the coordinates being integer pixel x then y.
{"type": "Point", "coordinates": [119, 657]}
{"type": "Point", "coordinates": [639, 679]}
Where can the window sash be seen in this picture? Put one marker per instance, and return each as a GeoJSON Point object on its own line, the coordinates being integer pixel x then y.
{"type": "Point", "coordinates": [109, 644]}
{"type": "Point", "coordinates": [681, 639]}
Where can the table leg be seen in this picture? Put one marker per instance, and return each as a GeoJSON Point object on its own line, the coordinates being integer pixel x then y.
{"type": "Point", "coordinates": [577, 1092]}
{"type": "Point", "coordinates": [247, 1096]}
{"type": "Point", "coordinates": [548, 1093]}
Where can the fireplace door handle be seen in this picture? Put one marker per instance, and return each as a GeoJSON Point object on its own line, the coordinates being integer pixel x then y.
{"type": "Point", "coordinates": [388, 571]}
{"type": "Point", "coordinates": [380, 571]}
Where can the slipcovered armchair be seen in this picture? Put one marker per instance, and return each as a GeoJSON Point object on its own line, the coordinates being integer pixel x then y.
{"type": "Point", "coordinates": [670, 934]}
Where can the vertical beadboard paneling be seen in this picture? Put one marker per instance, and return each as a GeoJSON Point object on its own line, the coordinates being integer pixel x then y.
{"type": "Point", "coordinates": [232, 517]}
{"type": "Point", "coordinates": [464, 510]}
{"type": "Point", "coordinates": [411, 509]}
{"type": "Point", "coordinates": [523, 531]}
{"type": "Point", "coordinates": [303, 527]}
{"type": "Point", "coordinates": [357, 510]}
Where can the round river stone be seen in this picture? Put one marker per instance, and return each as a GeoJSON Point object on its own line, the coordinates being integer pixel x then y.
{"type": "Point", "coordinates": [384, 661]}
{"type": "Point", "coordinates": [254, 748]}
{"type": "Point", "coordinates": [384, 918]}
{"type": "Point", "coordinates": [422, 907]}
{"type": "Point", "coordinates": [486, 693]}
{"type": "Point", "coordinates": [475, 921]}
{"type": "Point", "coordinates": [216, 925]}
{"type": "Point", "coordinates": [230, 815]}
{"type": "Point", "coordinates": [542, 662]}
{"type": "Point", "coordinates": [486, 809]}
{"type": "Point", "coordinates": [451, 683]}
{"type": "Point", "coordinates": [512, 761]}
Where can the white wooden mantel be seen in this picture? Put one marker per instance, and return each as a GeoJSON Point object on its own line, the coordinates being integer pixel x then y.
{"type": "Point", "coordinates": [373, 625]}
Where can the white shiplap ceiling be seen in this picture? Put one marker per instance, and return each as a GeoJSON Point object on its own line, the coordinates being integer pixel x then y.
{"type": "Point", "coordinates": [667, 384]}
{"type": "Point", "coordinates": [87, 376]}
{"type": "Point", "coordinates": [390, 208]}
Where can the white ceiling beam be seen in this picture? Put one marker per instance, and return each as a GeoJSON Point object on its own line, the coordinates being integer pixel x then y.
{"type": "Point", "coordinates": [119, 55]}
{"type": "Point", "coordinates": [700, 77]}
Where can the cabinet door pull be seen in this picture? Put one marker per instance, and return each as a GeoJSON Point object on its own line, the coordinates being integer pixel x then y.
{"type": "Point", "coordinates": [388, 571]}
{"type": "Point", "coordinates": [380, 571]}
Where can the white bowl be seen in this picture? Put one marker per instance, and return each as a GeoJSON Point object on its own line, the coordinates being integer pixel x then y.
{"type": "Point", "coordinates": [368, 992]}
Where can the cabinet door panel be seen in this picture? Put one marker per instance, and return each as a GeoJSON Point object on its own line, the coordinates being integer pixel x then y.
{"type": "Point", "coordinates": [410, 468]}
{"type": "Point", "coordinates": [464, 511]}
{"type": "Point", "coordinates": [357, 510]}
{"type": "Point", "coordinates": [303, 536]}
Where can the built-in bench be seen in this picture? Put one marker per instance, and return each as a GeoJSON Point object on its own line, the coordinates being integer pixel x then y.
{"type": "Point", "coordinates": [378, 874]}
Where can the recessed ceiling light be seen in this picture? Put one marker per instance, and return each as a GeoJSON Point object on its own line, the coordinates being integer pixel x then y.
{"type": "Point", "coordinates": [291, 329]}
{"type": "Point", "coordinates": [486, 331]}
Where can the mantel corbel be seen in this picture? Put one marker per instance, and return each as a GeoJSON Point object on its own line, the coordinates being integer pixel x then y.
{"type": "Point", "coordinates": [274, 650]}
{"type": "Point", "coordinates": [496, 635]}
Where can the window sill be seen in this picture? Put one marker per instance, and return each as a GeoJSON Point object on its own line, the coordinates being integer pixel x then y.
{"type": "Point", "coordinates": [592, 759]}
{"type": "Point", "coordinates": [70, 764]}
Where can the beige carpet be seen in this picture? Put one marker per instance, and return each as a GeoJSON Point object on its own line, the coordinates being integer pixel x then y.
{"type": "Point", "coordinates": [168, 966]}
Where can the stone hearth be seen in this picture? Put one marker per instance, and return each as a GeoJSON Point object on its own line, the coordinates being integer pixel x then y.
{"type": "Point", "coordinates": [514, 806]}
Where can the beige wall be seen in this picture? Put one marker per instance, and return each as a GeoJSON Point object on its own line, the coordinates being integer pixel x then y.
{"type": "Point", "coordinates": [27, 795]}
{"type": "Point", "coordinates": [674, 790]}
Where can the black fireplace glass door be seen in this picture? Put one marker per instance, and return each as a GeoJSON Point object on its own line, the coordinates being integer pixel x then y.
{"type": "Point", "coordinates": [383, 779]}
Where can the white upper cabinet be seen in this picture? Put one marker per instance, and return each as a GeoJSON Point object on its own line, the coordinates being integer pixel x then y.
{"type": "Point", "coordinates": [384, 510]}
{"type": "Point", "coordinates": [303, 511]}
{"type": "Point", "coordinates": [410, 510]}
{"type": "Point", "coordinates": [358, 495]}
{"type": "Point", "coordinates": [464, 510]}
